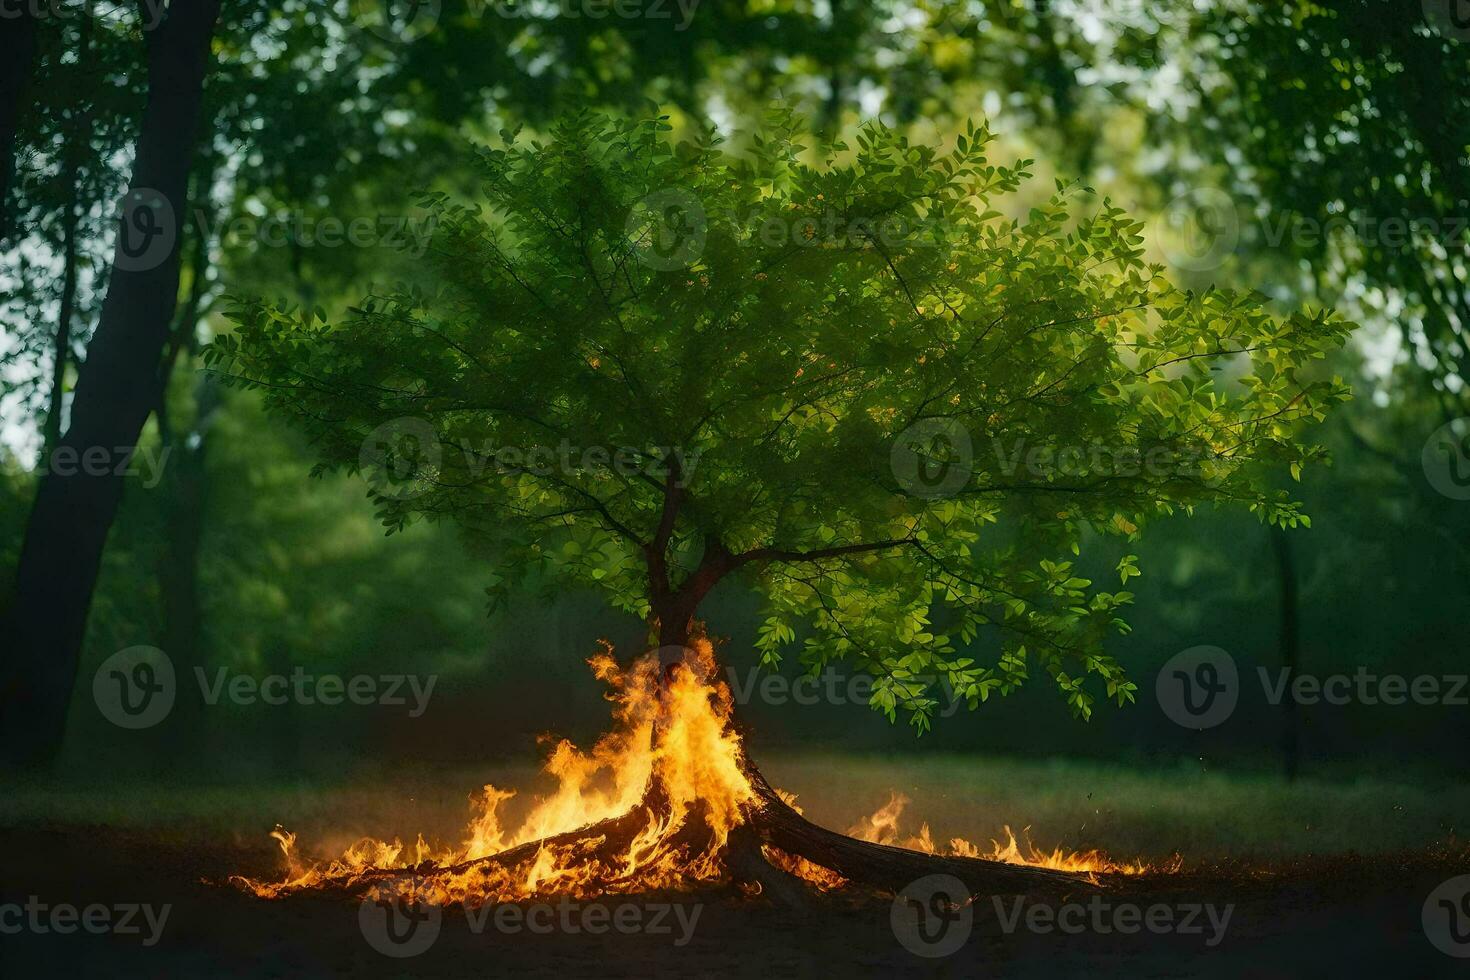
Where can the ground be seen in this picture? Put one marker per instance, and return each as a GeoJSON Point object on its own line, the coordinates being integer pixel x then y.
{"type": "Point", "coordinates": [1321, 879]}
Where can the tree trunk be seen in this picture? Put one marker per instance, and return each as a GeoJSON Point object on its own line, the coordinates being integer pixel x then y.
{"type": "Point", "coordinates": [73, 151]}
{"type": "Point", "coordinates": [886, 867]}
{"type": "Point", "coordinates": [18, 41]}
{"type": "Point", "coordinates": [1290, 644]}
{"type": "Point", "coordinates": [115, 392]}
{"type": "Point", "coordinates": [56, 398]}
{"type": "Point", "coordinates": [178, 570]}
{"type": "Point", "coordinates": [771, 821]}
{"type": "Point", "coordinates": [186, 489]}
{"type": "Point", "coordinates": [774, 823]}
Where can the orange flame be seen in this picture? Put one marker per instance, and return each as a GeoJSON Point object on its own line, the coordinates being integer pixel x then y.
{"type": "Point", "coordinates": [675, 735]}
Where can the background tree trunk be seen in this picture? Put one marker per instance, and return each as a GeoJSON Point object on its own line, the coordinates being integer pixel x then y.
{"type": "Point", "coordinates": [186, 488]}
{"type": "Point", "coordinates": [116, 391]}
{"type": "Point", "coordinates": [18, 41]}
{"type": "Point", "coordinates": [1290, 643]}
{"type": "Point", "coordinates": [73, 151]}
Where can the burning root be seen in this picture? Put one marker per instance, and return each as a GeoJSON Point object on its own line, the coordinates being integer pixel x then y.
{"type": "Point", "coordinates": [666, 801]}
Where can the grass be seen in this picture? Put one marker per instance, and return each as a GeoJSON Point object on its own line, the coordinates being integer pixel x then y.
{"type": "Point", "coordinates": [1126, 811]}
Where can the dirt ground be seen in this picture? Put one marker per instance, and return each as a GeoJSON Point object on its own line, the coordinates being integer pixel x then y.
{"type": "Point", "coordinates": [1343, 917]}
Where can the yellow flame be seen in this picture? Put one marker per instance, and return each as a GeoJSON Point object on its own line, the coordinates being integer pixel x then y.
{"type": "Point", "coordinates": [676, 734]}
{"type": "Point", "coordinates": [882, 827]}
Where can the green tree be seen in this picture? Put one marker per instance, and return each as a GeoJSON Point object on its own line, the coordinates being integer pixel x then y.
{"type": "Point", "coordinates": [1341, 124]}
{"type": "Point", "coordinates": [887, 407]}
{"type": "Point", "coordinates": [650, 368]}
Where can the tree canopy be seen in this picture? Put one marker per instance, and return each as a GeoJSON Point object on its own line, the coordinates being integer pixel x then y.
{"type": "Point", "coordinates": [894, 410]}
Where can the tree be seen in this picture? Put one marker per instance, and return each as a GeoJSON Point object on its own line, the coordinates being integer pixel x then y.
{"type": "Point", "coordinates": [313, 109]}
{"type": "Point", "coordinates": [19, 30]}
{"type": "Point", "coordinates": [321, 110]}
{"type": "Point", "coordinates": [652, 368]}
{"type": "Point", "coordinates": [116, 391]}
{"type": "Point", "coordinates": [1303, 99]}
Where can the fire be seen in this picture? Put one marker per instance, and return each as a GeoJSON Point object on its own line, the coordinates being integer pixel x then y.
{"type": "Point", "coordinates": [650, 807]}
{"type": "Point", "coordinates": [676, 736]}
{"type": "Point", "coordinates": [882, 827]}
